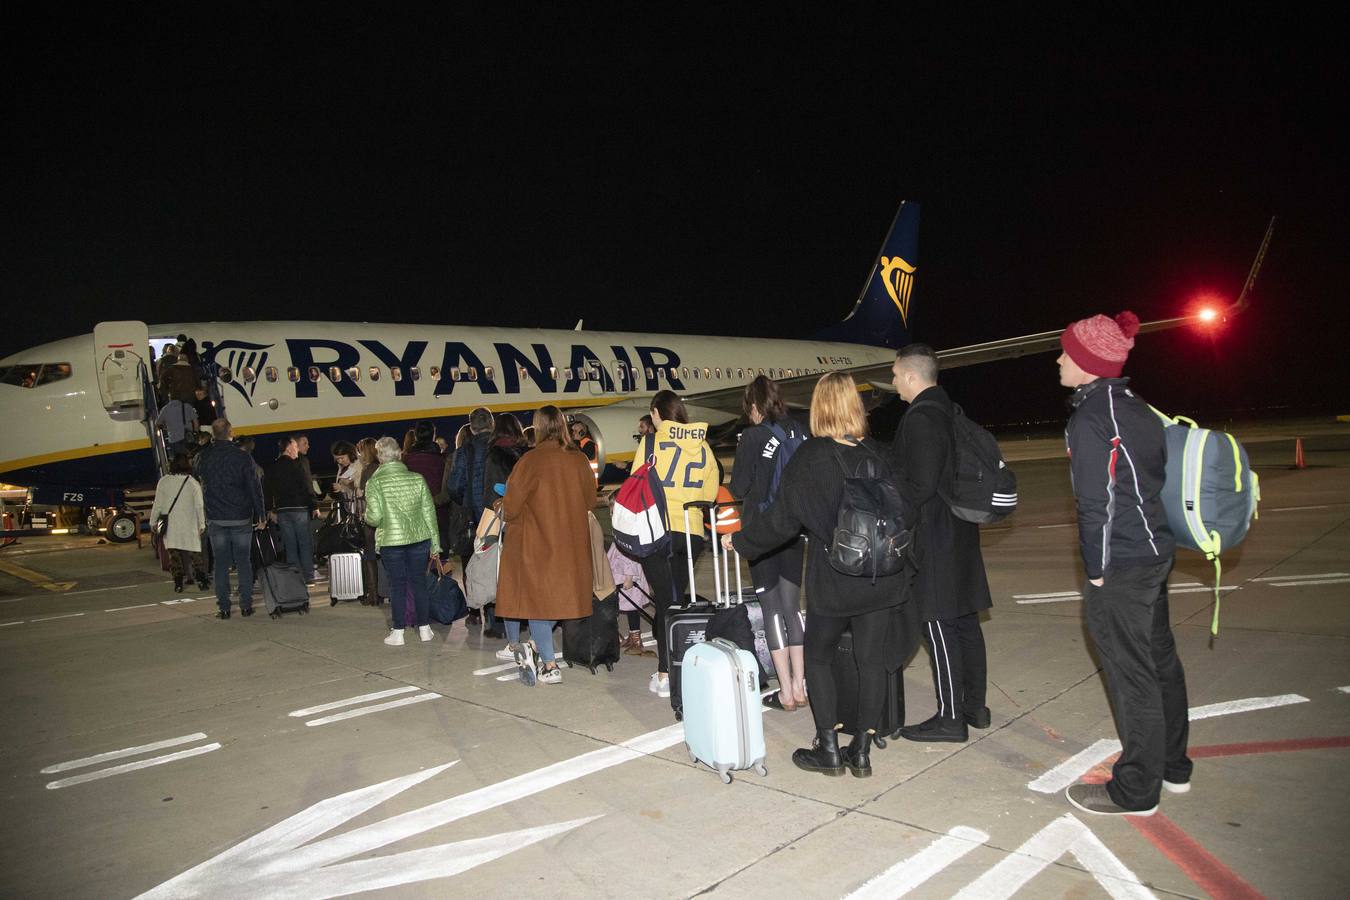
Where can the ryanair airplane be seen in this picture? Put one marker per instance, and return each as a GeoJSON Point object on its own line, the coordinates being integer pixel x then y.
{"type": "Point", "coordinates": [78, 413]}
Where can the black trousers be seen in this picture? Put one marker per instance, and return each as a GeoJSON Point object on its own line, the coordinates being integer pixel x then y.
{"type": "Point", "coordinates": [960, 670]}
{"type": "Point", "coordinates": [869, 642]}
{"type": "Point", "coordinates": [669, 580]}
{"type": "Point", "coordinates": [1128, 620]}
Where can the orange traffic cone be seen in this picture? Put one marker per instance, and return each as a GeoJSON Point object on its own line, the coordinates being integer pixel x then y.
{"type": "Point", "coordinates": [1299, 462]}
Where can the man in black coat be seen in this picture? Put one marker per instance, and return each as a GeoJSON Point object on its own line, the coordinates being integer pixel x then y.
{"type": "Point", "coordinates": [950, 588]}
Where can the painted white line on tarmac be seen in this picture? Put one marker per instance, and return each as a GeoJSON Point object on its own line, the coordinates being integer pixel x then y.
{"type": "Point", "coordinates": [1070, 596]}
{"type": "Point", "coordinates": [131, 767]}
{"type": "Point", "coordinates": [1069, 771]}
{"type": "Point", "coordinates": [1344, 690]}
{"type": "Point", "coordinates": [378, 707]}
{"type": "Point", "coordinates": [908, 874]}
{"type": "Point", "coordinates": [119, 754]}
{"type": "Point", "coordinates": [1230, 707]}
{"type": "Point", "coordinates": [352, 701]}
{"type": "Point", "coordinates": [1316, 581]}
{"type": "Point", "coordinates": [493, 670]}
{"type": "Point", "coordinates": [1300, 577]}
{"type": "Point", "coordinates": [7, 624]}
{"type": "Point", "coordinates": [1046, 596]}
{"type": "Point", "coordinates": [1060, 525]}
{"type": "Point", "coordinates": [53, 618]}
{"type": "Point", "coordinates": [137, 606]}
{"type": "Point", "coordinates": [1202, 589]}
{"type": "Point", "coordinates": [124, 587]}
{"type": "Point", "coordinates": [178, 601]}
{"type": "Point", "coordinates": [1296, 508]}
{"type": "Point", "coordinates": [1064, 835]}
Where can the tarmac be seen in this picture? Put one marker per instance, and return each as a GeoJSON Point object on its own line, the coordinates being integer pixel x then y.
{"type": "Point", "coordinates": [148, 749]}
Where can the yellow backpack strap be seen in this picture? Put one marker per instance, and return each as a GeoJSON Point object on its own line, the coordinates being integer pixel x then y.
{"type": "Point", "coordinates": [1218, 580]}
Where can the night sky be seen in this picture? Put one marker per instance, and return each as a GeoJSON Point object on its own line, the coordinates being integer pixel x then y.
{"type": "Point", "coordinates": [721, 176]}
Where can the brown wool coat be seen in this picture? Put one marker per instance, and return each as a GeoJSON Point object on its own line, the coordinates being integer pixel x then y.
{"type": "Point", "coordinates": [546, 553]}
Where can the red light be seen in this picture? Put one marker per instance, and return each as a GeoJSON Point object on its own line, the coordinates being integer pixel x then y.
{"type": "Point", "coordinates": [1208, 315]}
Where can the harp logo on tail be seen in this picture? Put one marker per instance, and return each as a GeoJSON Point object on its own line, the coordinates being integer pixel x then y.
{"type": "Point", "coordinates": [898, 276]}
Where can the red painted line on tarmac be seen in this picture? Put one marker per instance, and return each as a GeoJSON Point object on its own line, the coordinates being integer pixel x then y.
{"type": "Point", "coordinates": [1200, 866]}
{"type": "Point", "coordinates": [1251, 747]}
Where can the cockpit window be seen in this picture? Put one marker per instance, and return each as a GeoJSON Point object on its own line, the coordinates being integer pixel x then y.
{"type": "Point", "coordinates": [33, 374]}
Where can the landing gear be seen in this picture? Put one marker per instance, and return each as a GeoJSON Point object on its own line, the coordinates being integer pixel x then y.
{"type": "Point", "coordinates": [122, 528]}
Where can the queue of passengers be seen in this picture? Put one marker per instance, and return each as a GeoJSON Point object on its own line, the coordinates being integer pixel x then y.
{"type": "Point", "coordinates": [420, 501]}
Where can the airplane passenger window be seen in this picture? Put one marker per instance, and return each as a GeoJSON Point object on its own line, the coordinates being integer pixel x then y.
{"type": "Point", "coordinates": [472, 373]}
{"type": "Point", "coordinates": [226, 375]}
{"type": "Point", "coordinates": [374, 373]}
{"type": "Point", "coordinates": [567, 374]}
{"type": "Point", "coordinates": [455, 374]}
{"type": "Point", "coordinates": [489, 373]}
{"type": "Point", "coordinates": [415, 372]}
{"type": "Point", "coordinates": [314, 373]}
{"type": "Point", "coordinates": [553, 372]}
{"type": "Point", "coordinates": [396, 373]}
{"type": "Point", "coordinates": [292, 374]}
{"type": "Point", "coordinates": [650, 376]}
{"type": "Point", "coordinates": [523, 374]}
{"type": "Point", "coordinates": [334, 374]}
{"type": "Point", "coordinates": [354, 373]}
{"type": "Point", "coordinates": [740, 373]}
{"type": "Point", "coordinates": [707, 373]}
{"type": "Point", "coordinates": [248, 375]}
{"type": "Point", "coordinates": [271, 373]}
{"type": "Point", "coordinates": [718, 370]}
{"type": "Point", "coordinates": [685, 370]}
{"type": "Point", "coordinates": [435, 372]}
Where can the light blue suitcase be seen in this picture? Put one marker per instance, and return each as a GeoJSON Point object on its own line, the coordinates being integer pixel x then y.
{"type": "Point", "coordinates": [723, 716]}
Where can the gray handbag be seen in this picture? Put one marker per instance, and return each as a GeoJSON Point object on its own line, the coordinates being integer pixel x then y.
{"type": "Point", "coordinates": [480, 575]}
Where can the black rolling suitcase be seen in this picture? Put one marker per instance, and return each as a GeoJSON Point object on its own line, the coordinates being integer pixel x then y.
{"type": "Point", "coordinates": [284, 590]}
{"type": "Point", "coordinates": [267, 549]}
{"type": "Point", "coordinates": [845, 669]}
{"type": "Point", "coordinates": [594, 641]}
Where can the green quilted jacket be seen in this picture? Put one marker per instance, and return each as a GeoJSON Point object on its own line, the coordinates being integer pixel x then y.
{"type": "Point", "coordinates": [399, 507]}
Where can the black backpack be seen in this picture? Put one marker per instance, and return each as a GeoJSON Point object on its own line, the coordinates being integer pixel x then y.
{"type": "Point", "coordinates": [787, 445]}
{"type": "Point", "coordinates": [870, 533]}
{"type": "Point", "coordinates": [983, 488]}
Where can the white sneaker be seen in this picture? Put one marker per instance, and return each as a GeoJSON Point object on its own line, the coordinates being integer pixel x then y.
{"type": "Point", "coordinates": [507, 653]}
{"type": "Point", "coordinates": [655, 683]}
{"type": "Point", "coordinates": [1176, 787]}
{"type": "Point", "coordinates": [551, 676]}
{"type": "Point", "coordinates": [395, 638]}
{"type": "Point", "coordinates": [526, 661]}
{"type": "Point", "coordinates": [424, 632]}
{"type": "Point", "coordinates": [663, 687]}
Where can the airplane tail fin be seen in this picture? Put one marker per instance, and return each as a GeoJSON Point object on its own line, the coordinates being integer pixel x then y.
{"type": "Point", "coordinates": [881, 317]}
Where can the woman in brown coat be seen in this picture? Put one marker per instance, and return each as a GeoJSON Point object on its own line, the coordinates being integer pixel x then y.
{"type": "Point", "coordinates": [546, 551]}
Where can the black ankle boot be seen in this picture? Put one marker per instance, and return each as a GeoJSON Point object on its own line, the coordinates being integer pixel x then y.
{"type": "Point", "coordinates": [203, 582]}
{"type": "Point", "coordinates": [857, 755]}
{"type": "Point", "coordinates": [823, 757]}
{"type": "Point", "coordinates": [178, 585]}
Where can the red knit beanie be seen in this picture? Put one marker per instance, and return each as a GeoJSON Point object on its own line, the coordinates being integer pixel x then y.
{"type": "Point", "coordinates": [1099, 345]}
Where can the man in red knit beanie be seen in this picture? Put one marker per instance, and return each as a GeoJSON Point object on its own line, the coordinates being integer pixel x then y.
{"type": "Point", "coordinates": [1117, 460]}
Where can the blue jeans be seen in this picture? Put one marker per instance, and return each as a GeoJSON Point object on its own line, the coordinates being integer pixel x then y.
{"type": "Point", "coordinates": [298, 539]}
{"type": "Point", "coordinates": [541, 630]}
{"type": "Point", "coordinates": [230, 544]}
{"type": "Point", "coordinates": [407, 567]}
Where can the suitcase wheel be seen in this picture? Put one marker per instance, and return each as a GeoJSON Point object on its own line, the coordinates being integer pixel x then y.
{"type": "Point", "coordinates": [761, 771]}
{"type": "Point", "coordinates": [305, 608]}
{"type": "Point", "coordinates": [879, 742]}
{"type": "Point", "coordinates": [609, 667]}
{"type": "Point", "coordinates": [332, 601]}
{"type": "Point", "coordinates": [276, 615]}
{"type": "Point", "coordinates": [725, 776]}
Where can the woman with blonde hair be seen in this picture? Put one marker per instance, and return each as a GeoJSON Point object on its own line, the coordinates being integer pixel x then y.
{"type": "Point", "coordinates": [809, 496]}
{"type": "Point", "coordinates": [399, 507]}
{"type": "Point", "coordinates": [546, 547]}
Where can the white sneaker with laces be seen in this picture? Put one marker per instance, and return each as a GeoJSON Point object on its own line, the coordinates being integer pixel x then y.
{"type": "Point", "coordinates": [424, 632]}
{"type": "Point", "coordinates": [655, 683]}
{"type": "Point", "coordinates": [663, 687]}
{"type": "Point", "coordinates": [551, 675]}
{"type": "Point", "coordinates": [507, 653]}
{"type": "Point", "coordinates": [395, 638]}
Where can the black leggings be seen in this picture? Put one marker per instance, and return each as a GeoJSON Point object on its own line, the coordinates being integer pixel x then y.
{"type": "Point", "coordinates": [778, 588]}
{"type": "Point", "coordinates": [669, 579]}
{"type": "Point", "coordinates": [869, 641]}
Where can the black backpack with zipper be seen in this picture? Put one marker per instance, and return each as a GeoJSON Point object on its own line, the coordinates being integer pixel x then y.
{"type": "Point", "coordinates": [983, 489]}
{"type": "Point", "coordinates": [870, 533]}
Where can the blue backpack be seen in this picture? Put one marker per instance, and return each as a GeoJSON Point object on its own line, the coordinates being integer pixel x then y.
{"type": "Point", "coordinates": [787, 445]}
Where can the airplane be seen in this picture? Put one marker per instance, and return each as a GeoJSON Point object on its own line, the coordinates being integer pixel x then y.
{"type": "Point", "coordinates": [79, 412]}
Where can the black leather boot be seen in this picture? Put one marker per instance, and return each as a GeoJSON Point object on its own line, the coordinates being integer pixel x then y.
{"type": "Point", "coordinates": [823, 757]}
{"type": "Point", "coordinates": [857, 755]}
{"type": "Point", "coordinates": [178, 584]}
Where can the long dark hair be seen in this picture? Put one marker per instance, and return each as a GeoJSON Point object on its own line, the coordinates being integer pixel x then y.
{"type": "Point", "coordinates": [762, 394]}
{"type": "Point", "coordinates": [668, 405]}
{"type": "Point", "coordinates": [507, 426]}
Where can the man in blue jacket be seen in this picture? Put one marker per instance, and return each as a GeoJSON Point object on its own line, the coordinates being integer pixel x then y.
{"type": "Point", "coordinates": [234, 507]}
{"type": "Point", "coordinates": [1118, 463]}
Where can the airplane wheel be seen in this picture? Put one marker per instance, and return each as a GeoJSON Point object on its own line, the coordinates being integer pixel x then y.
{"type": "Point", "coordinates": [122, 529]}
